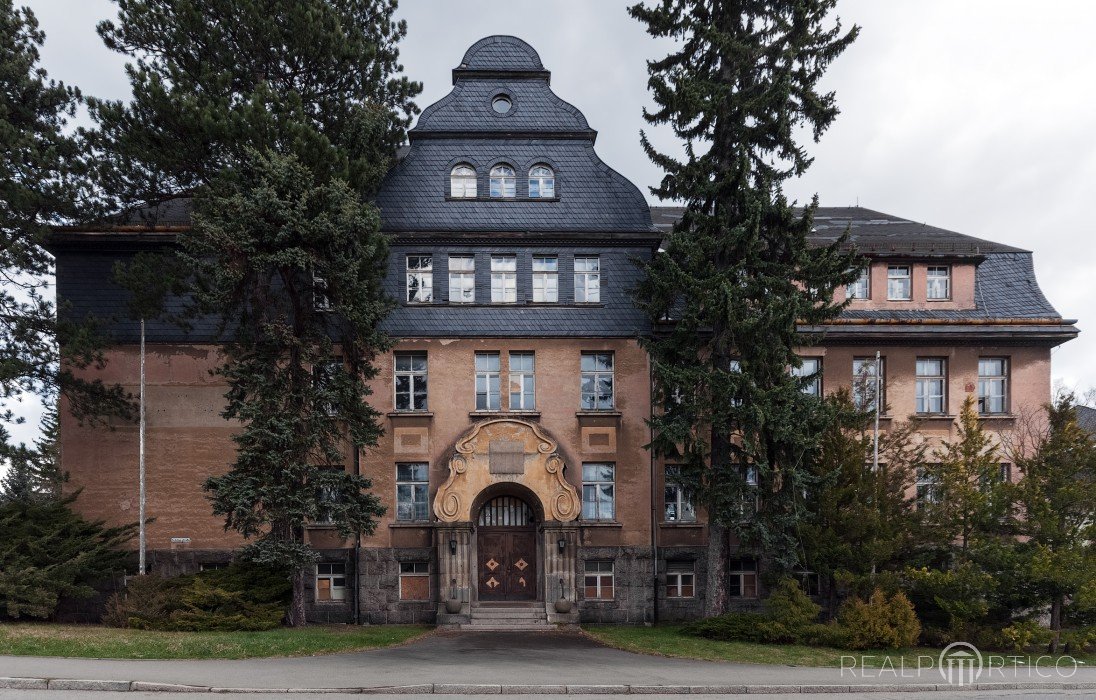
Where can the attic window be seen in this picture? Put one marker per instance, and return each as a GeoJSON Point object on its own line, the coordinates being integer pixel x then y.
{"type": "Point", "coordinates": [462, 182]}
{"type": "Point", "coordinates": [501, 104]}
{"type": "Point", "coordinates": [542, 182]}
{"type": "Point", "coordinates": [503, 181]}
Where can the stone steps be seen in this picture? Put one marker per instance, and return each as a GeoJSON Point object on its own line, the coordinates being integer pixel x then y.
{"type": "Point", "coordinates": [508, 617]}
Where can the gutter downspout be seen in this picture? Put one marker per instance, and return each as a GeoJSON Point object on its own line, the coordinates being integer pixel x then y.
{"type": "Point", "coordinates": [357, 551]}
{"type": "Point", "coordinates": [654, 499]}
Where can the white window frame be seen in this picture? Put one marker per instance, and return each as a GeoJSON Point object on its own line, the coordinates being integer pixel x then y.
{"type": "Point", "coordinates": [504, 279]}
{"type": "Point", "coordinates": [938, 283]}
{"type": "Point", "coordinates": [321, 374]}
{"type": "Point", "coordinates": [596, 374]}
{"type": "Point", "coordinates": [598, 491]}
{"type": "Point", "coordinates": [987, 387]}
{"type": "Point", "coordinates": [523, 378]}
{"type": "Point", "coordinates": [463, 182]}
{"type": "Point", "coordinates": [503, 182]}
{"type": "Point", "coordinates": [931, 389]}
{"type": "Point", "coordinates": [416, 378]}
{"type": "Point", "coordinates": [812, 365]}
{"type": "Point", "coordinates": [546, 279]}
{"type": "Point", "coordinates": [331, 573]}
{"type": "Point", "coordinates": [420, 279]}
{"type": "Point", "coordinates": [415, 484]}
{"type": "Point", "coordinates": [321, 300]}
{"type": "Point", "coordinates": [861, 288]}
{"type": "Point", "coordinates": [675, 494]}
{"type": "Point", "coordinates": [462, 278]}
{"type": "Point", "coordinates": [743, 574]}
{"type": "Point", "coordinates": [677, 572]}
{"type": "Point", "coordinates": [595, 572]}
{"type": "Point", "coordinates": [327, 496]}
{"type": "Point", "coordinates": [862, 381]}
{"type": "Point", "coordinates": [899, 283]}
{"type": "Point", "coordinates": [542, 182]}
{"type": "Point", "coordinates": [488, 379]}
{"type": "Point", "coordinates": [415, 569]}
{"type": "Point", "coordinates": [587, 279]}
{"type": "Point", "coordinates": [926, 489]}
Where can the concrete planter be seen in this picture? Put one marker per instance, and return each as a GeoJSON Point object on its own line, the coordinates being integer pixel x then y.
{"type": "Point", "coordinates": [563, 606]}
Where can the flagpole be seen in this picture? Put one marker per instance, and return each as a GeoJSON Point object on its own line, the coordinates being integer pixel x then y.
{"type": "Point", "coordinates": [141, 461]}
{"type": "Point", "coordinates": [878, 380]}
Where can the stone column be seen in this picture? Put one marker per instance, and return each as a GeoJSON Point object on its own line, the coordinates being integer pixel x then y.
{"type": "Point", "coordinates": [560, 564]}
{"type": "Point", "coordinates": [454, 566]}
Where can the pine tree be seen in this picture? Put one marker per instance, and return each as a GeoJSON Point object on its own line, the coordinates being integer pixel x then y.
{"type": "Point", "coordinates": [1056, 510]}
{"type": "Point", "coordinates": [739, 276]}
{"type": "Point", "coordinates": [40, 186]}
{"type": "Point", "coordinates": [279, 118]}
{"type": "Point", "coordinates": [35, 472]}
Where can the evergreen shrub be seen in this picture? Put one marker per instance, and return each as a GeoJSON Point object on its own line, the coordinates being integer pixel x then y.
{"type": "Point", "coordinates": [881, 622]}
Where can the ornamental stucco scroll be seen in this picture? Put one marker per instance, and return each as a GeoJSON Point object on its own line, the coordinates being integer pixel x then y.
{"type": "Point", "coordinates": [470, 471]}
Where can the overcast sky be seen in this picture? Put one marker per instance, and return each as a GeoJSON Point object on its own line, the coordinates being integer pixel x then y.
{"type": "Point", "coordinates": [975, 116]}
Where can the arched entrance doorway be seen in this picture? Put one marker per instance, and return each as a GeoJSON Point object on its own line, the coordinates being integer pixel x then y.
{"type": "Point", "coordinates": [506, 545]}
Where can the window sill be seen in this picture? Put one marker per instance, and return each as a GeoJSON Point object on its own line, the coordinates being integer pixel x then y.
{"type": "Point", "coordinates": [411, 524]}
{"type": "Point", "coordinates": [506, 304]}
{"type": "Point", "coordinates": [319, 526]}
{"type": "Point", "coordinates": [934, 416]}
{"type": "Point", "coordinates": [600, 523]}
{"type": "Point", "coordinates": [410, 414]}
{"type": "Point", "coordinates": [331, 602]}
{"type": "Point", "coordinates": [477, 198]}
{"type": "Point", "coordinates": [504, 414]}
{"type": "Point", "coordinates": [685, 525]}
{"type": "Point", "coordinates": [606, 412]}
{"type": "Point", "coordinates": [996, 416]}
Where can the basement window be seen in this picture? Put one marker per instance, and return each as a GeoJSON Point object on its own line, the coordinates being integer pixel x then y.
{"type": "Point", "coordinates": [414, 580]}
{"type": "Point", "coordinates": [330, 582]}
{"type": "Point", "coordinates": [680, 579]}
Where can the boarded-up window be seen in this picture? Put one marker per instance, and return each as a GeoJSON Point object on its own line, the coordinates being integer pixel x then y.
{"type": "Point", "coordinates": [414, 580]}
{"type": "Point", "coordinates": [330, 582]}
{"type": "Point", "coordinates": [507, 457]}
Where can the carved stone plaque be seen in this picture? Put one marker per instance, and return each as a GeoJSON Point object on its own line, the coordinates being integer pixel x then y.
{"type": "Point", "coordinates": [507, 457]}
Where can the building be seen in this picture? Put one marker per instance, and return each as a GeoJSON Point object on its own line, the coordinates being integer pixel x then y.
{"type": "Point", "coordinates": [517, 395]}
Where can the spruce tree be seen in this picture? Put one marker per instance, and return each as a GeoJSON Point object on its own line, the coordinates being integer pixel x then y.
{"type": "Point", "coordinates": [279, 118]}
{"type": "Point", "coordinates": [40, 186]}
{"type": "Point", "coordinates": [34, 473]}
{"type": "Point", "coordinates": [1055, 512]}
{"type": "Point", "coordinates": [739, 276]}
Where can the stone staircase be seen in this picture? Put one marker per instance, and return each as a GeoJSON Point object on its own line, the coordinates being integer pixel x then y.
{"type": "Point", "coordinates": [508, 617]}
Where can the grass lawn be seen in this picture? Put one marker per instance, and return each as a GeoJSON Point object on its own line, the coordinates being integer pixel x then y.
{"type": "Point", "coordinates": [90, 641]}
{"type": "Point", "coordinates": [667, 640]}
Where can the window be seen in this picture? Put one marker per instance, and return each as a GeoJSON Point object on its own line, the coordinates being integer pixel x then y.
{"type": "Point", "coordinates": [939, 282]}
{"type": "Point", "coordinates": [1005, 473]}
{"type": "Point", "coordinates": [751, 496]}
{"type": "Point", "coordinates": [504, 279]}
{"type": "Point", "coordinates": [330, 582]}
{"type": "Point", "coordinates": [545, 278]}
{"type": "Point", "coordinates": [321, 300]}
{"type": "Point", "coordinates": [462, 279]}
{"type": "Point", "coordinates": [487, 381]}
{"type": "Point", "coordinates": [326, 497]}
{"type": "Point", "coordinates": [503, 181]}
{"type": "Point", "coordinates": [597, 381]}
{"type": "Point", "coordinates": [420, 279]}
{"type": "Point", "coordinates": [678, 504]}
{"type": "Point", "coordinates": [743, 578]}
{"type": "Point", "coordinates": [869, 383]}
{"type": "Point", "coordinates": [808, 581]}
{"type": "Point", "coordinates": [898, 283]}
{"type": "Point", "coordinates": [598, 580]}
{"type": "Point", "coordinates": [462, 182]}
{"type": "Point", "coordinates": [412, 484]}
{"type": "Point", "coordinates": [598, 491]}
{"type": "Point", "coordinates": [680, 579]}
{"type": "Point", "coordinates": [992, 385]}
{"type": "Point", "coordinates": [928, 489]}
{"type": "Point", "coordinates": [587, 279]}
{"type": "Point", "coordinates": [861, 288]}
{"type": "Point", "coordinates": [324, 378]}
{"type": "Point", "coordinates": [414, 580]}
{"type": "Point", "coordinates": [931, 385]}
{"type": "Point", "coordinates": [811, 367]}
{"type": "Point", "coordinates": [410, 381]}
{"type": "Point", "coordinates": [522, 381]}
{"type": "Point", "coordinates": [542, 182]}
{"type": "Point", "coordinates": [501, 104]}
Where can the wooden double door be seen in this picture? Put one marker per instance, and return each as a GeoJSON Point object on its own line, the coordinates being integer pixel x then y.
{"type": "Point", "coordinates": [507, 563]}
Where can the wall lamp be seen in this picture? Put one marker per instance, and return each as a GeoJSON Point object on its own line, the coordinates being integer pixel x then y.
{"type": "Point", "coordinates": [452, 546]}
{"type": "Point", "coordinates": [562, 544]}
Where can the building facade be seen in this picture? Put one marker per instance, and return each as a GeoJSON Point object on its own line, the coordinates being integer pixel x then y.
{"type": "Point", "coordinates": [517, 395]}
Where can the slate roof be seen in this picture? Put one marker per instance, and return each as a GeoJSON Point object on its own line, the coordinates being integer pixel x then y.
{"type": "Point", "coordinates": [1086, 418]}
{"type": "Point", "coordinates": [540, 128]}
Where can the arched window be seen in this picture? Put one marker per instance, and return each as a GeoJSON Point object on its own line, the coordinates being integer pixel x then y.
{"type": "Point", "coordinates": [462, 182]}
{"type": "Point", "coordinates": [542, 182]}
{"type": "Point", "coordinates": [503, 181]}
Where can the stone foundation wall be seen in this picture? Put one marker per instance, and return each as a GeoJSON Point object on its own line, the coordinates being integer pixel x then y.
{"type": "Point", "coordinates": [632, 578]}
{"type": "Point", "coordinates": [680, 609]}
{"type": "Point", "coordinates": [380, 586]}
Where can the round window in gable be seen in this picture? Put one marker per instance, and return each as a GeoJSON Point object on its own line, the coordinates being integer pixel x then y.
{"type": "Point", "coordinates": [501, 104]}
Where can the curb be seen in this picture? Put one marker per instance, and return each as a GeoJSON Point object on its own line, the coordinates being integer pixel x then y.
{"type": "Point", "coordinates": [477, 689]}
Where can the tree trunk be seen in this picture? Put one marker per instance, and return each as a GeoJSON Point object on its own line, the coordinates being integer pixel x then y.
{"type": "Point", "coordinates": [296, 616]}
{"type": "Point", "coordinates": [1056, 621]}
{"type": "Point", "coordinates": [715, 589]}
